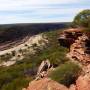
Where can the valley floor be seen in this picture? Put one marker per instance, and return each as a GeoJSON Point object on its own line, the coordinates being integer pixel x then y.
{"type": "Point", "coordinates": [19, 49]}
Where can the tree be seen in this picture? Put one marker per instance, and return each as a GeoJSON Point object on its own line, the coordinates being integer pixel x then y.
{"type": "Point", "coordinates": [83, 18]}
{"type": "Point", "coordinates": [13, 53]}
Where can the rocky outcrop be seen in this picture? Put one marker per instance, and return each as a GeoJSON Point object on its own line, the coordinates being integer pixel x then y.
{"type": "Point", "coordinates": [67, 37]}
{"type": "Point", "coordinates": [79, 50]}
{"type": "Point", "coordinates": [83, 83]}
{"type": "Point", "coordinates": [43, 69]}
{"type": "Point", "coordinates": [44, 66]}
{"type": "Point", "coordinates": [45, 84]}
{"type": "Point", "coordinates": [78, 42]}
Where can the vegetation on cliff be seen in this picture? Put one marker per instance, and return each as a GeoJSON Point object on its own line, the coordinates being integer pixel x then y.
{"type": "Point", "coordinates": [17, 76]}
{"type": "Point", "coordinates": [66, 73]}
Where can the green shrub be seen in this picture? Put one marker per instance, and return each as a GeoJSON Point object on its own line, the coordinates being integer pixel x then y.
{"type": "Point", "coordinates": [17, 84]}
{"type": "Point", "coordinates": [6, 57]}
{"type": "Point", "coordinates": [83, 18]}
{"type": "Point", "coordinates": [13, 53]}
{"type": "Point", "coordinates": [66, 73]}
{"type": "Point", "coordinates": [14, 77]}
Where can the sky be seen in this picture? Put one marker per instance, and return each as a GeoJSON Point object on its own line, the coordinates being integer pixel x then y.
{"type": "Point", "coordinates": [40, 11]}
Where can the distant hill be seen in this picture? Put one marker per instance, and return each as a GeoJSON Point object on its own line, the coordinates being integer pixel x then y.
{"type": "Point", "coordinates": [12, 32]}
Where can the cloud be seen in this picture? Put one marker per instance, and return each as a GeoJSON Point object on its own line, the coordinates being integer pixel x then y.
{"type": "Point", "coordinates": [21, 11]}
{"type": "Point", "coordinates": [21, 4]}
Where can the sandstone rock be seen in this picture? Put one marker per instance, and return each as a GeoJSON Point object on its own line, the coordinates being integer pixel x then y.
{"type": "Point", "coordinates": [43, 69]}
{"type": "Point", "coordinates": [83, 83]}
{"type": "Point", "coordinates": [78, 42]}
{"type": "Point", "coordinates": [44, 66]}
{"type": "Point", "coordinates": [67, 37]}
{"type": "Point", "coordinates": [46, 84]}
{"type": "Point", "coordinates": [78, 50]}
{"type": "Point", "coordinates": [72, 87]}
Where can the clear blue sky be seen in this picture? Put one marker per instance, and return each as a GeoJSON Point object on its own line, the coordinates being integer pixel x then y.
{"type": "Point", "coordinates": [36, 11]}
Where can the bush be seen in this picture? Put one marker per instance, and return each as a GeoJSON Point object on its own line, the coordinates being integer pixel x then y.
{"type": "Point", "coordinates": [6, 57]}
{"type": "Point", "coordinates": [83, 18]}
{"type": "Point", "coordinates": [66, 73]}
{"type": "Point", "coordinates": [13, 53]}
{"type": "Point", "coordinates": [17, 84]}
{"type": "Point", "coordinates": [15, 77]}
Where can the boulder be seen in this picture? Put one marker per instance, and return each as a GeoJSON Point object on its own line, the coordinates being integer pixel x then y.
{"type": "Point", "coordinates": [44, 66]}
{"type": "Point", "coordinates": [43, 69]}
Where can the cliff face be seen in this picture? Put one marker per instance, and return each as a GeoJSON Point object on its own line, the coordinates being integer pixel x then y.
{"type": "Point", "coordinates": [80, 50]}
{"type": "Point", "coordinates": [68, 37]}
{"type": "Point", "coordinates": [78, 42]}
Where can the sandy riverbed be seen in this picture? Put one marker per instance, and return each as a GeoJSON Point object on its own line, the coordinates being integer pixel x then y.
{"type": "Point", "coordinates": [32, 40]}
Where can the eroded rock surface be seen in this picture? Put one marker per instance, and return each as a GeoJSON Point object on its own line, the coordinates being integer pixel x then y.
{"type": "Point", "coordinates": [45, 84]}
{"type": "Point", "coordinates": [83, 83]}
{"type": "Point", "coordinates": [67, 37]}
{"type": "Point", "coordinates": [79, 50]}
{"type": "Point", "coordinates": [43, 69]}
